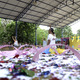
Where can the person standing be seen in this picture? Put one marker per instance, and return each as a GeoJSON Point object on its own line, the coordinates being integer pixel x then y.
{"type": "Point", "coordinates": [44, 42]}
{"type": "Point", "coordinates": [51, 37]}
{"type": "Point", "coordinates": [15, 41]}
{"type": "Point", "coordinates": [50, 40]}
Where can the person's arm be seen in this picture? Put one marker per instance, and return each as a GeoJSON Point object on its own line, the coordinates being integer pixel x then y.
{"type": "Point", "coordinates": [13, 38]}
{"type": "Point", "coordinates": [48, 42]}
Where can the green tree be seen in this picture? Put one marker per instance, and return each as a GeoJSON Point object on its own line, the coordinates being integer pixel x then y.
{"type": "Point", "coordinates": [58, 32]}
{"type": "Point", "coordinates": [67, 32]}
{"type": "Point", "coordinates": [0, 22]}
{"type": "Point", "coordinates": [1, 28]}
{"type": "Point", "coordinates": [40, 34]}
{"type": "Point", "coordinates": [4, 23]}
{"type": "Point", "coordinates": [78, 32]}
{"type": "Point", "coordinates": [25, 32]}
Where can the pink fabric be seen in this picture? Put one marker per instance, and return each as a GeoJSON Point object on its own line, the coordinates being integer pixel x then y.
{"type": "Point", "coordinates": [22, 46]}
{"type": "Point", "coordinates": [8, 53]}
{"type": "Point", "coordinates": [76, 53]}
{"type": "Point", "coordinates": [24, 52]}
{"type": "Point", "coordinates": [21, 52]}
{"type": "Point", "coordinates": [36, 56]}
{"type": "Point", "coordinates": [17, 50]}
{"type": "Point", "coordinates": [34, 50]}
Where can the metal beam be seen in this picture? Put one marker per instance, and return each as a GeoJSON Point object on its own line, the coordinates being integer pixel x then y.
{"type": "Point", "coordinates": [44, 8]}
{"type": "Point", "coordinates": [71, 22]}
{"type": "Point", "coordinates": [44, 2]}
{"type": "Point", "coordinates": [50, 23]}
{"type": "Point", "coordinates": [39, 17]}
{"type": "Point", "coordinates": [6, 18]}
{"type": "Point", "coordinates": [49, 4]}
{"type": "Point", "coordinates": [15, 16]}
{"type": "Point", "coordinates": [17, 6]}
{"type": "Point", "coordinates": [37, 11]}
{"type": "Point", "coordinates": [59, 6]}
{"type": "Point", "coordinates": [28, 19]}
{"type": "Point", "coordinates": [45, 16]}
{"type": "Point", "coordinates": [55, 7]}
{"type": "Point", "coordinates": [9, 9]}
{"type": "Point", "coordinates": [7, 14]}
{"type": "Point", "coordinates": [68, 5]}
{"type": "Point", "coordinates": [11, 4]}
{"type": "Point", "coordinates": [33, 15]}
{"type": "Point", "coordinates": [60, 20]}
{"type": "Point", "coordinates": [24, 10]}
{"type": "Point", "coordinates": [77, 1]}
{"type": "Point", "coordinates": [47, 19]}
{"type": "Point", "coordinates": [57, 22]}
{"type": "Point", "coordinates": [66, 16]}
{"type": "Point", "coordinates": [33, 5]}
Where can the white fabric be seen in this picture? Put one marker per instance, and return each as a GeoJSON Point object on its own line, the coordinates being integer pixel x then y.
{"type": "Point", "coordinates": [51, 38]}
{"type": "Point", "coordinates": [44, 43]}
{"type": "Point", "coordinates": [16, 43]}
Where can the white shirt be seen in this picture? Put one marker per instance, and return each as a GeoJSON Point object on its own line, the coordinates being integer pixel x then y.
{"type": "Point", "coordinates": [44, 43]}
{"type": "Point", "coordinates": [16, 43]}
{"type": "Point", "coordinates": [51, 38]}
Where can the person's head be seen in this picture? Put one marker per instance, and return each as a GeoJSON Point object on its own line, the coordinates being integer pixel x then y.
{"type": "Point", "coordinates": [44, 38]}
{"type": "Point", "coordinates": [51, 30]}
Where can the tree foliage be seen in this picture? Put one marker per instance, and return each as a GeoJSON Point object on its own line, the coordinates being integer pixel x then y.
{"type": "Point", "coordinates": [3, 34]}
{"type": "Point", "coordinates": [66, 31]}
{"type": "Point", "coordinates": [4, 23]}
{"type": "Point", "coordinates": [78, 32]}
{"type": "Point", "coordinates": [1, 28]}
{"type": "Point", "coordinates": [25, 32]}
{"type": "Point", "coordinates": [41, 33]}
{"type": "Point", "coordinates": [58, 32]}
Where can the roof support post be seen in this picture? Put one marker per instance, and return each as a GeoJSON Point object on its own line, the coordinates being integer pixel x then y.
{"type": "Point", "coordinates": [16, 29]}
{"type": "Point", "coordinates": [35, 34]}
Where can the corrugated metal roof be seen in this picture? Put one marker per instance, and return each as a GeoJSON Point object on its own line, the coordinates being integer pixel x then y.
{"type": "Point", "coordinates": [57, 13]}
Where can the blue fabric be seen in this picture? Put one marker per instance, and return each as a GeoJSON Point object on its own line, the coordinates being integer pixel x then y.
{"type": "Point", "coordinates": [46, 51]}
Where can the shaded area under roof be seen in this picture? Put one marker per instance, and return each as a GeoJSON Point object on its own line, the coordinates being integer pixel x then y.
{"type": "Point", "coordinates": [57, 13]}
